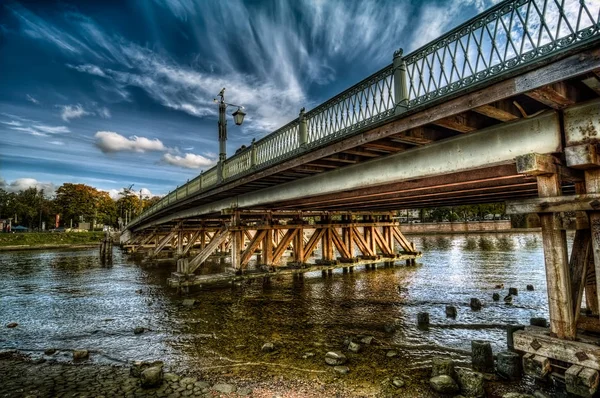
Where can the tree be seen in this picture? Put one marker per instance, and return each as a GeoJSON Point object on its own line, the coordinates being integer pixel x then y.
{"type": "Point", "coordinates": [76, 202]}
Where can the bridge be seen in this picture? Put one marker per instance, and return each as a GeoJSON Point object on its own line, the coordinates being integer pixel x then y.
{"type": "Point", "coordinates": [504, 107]}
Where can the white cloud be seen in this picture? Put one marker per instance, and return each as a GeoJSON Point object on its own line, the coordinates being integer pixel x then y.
{"type": "Point", "coordinates": [31, 99]}
{"type": "Point", "coordinates": [188, 161]}
{"type": "Point", "coordinates": [115, 193]}
{"type": "Point", "coordinates": [69, 112]}
{"type": "Point", "coordinates": [21, 184]}
{"type": "Point", "coordinates": [104, 112]}
{"type": "Point", "coordinates": [109, 141]}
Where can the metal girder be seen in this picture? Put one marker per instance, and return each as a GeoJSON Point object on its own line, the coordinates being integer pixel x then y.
{"type": "Point", "coordinates": [494, 145]}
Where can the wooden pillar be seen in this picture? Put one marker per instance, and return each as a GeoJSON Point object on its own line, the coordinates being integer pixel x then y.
{"type": "Point", "coordinates": [237, 242]}
{"type": "Point", "coordinates": [592, 185]}
{"type": "Point", "coordinates": [299, 244]}
{"type": "Point", "coordinates": [327, 245]}
{"type": "Point", "coordinates": [267, 248]}
{"type": "Point", "coordinates": [557, 267]}
{"type": "Point", "coordinates": [180, 241]}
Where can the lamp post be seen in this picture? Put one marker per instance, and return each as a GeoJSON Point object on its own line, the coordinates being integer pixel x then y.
{"type": "Point", "coordinates": [238, 118]}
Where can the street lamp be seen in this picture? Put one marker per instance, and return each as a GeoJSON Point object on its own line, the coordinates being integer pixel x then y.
{"type": "Point", "coordinates": [238, 118]}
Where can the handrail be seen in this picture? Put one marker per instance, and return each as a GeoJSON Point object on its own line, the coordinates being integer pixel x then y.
{"type": "Point", "coordinates": [504, 39]}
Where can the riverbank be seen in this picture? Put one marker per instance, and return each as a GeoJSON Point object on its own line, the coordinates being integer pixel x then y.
{"type": "Point", "coordinates": [48, 240]}
{"type": "Point", "coordinates": [470, 227]}
{"type": "Point", "coordinates": [23, 376]}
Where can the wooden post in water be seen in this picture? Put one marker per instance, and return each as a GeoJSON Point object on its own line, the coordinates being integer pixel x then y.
{"type": "Point", "coordinates": [106, 249]}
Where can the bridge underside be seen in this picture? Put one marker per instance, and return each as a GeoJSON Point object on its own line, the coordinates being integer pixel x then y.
{"type": "Point", "coordinates": [531, 140]}
{"type": "Point", "coordinates": [461, 151]}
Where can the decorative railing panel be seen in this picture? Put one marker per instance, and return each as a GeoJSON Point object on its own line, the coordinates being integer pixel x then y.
{"type": "Point", "coordinates": [509, 35]}
{"type": "Point", "coordinates": [274, 146]}
{"type": "Point", "coordinates": [503, 40]}
{"type": "Point", "coordinates": [367, 102]}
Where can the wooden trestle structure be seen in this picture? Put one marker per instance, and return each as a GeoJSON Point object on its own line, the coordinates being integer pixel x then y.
{"type": "Point", "coordinates": [570, 349]}
{"type": "Point", "coordinates": [267, 243]}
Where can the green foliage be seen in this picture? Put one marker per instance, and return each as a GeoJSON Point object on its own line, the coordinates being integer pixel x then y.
{"type": "Point", "coordinates": [48, 238]}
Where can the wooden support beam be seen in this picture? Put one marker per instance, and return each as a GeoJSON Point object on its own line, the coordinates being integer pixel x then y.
{"type": "Point", "coordinates": [558, 279]}
{"type": "Point", "coordinates": [463, 123]}
{"type": "Point", "coordinates": [592, 185]}
{"type": "Point", "coordinates": [144, 241]}
{"type": "Point", "coordinates": [299, 246]}
{"type": "Point", "coordinates": [557, 204]}
{"type": "Point", "coordinates": [190, 244]}
{"type": "Point", "coordinates": [422, 135]}
{"type": "Point", "coordinates": [179, 242]}
{"type": "Point", "coordinates": [284, 243]}
{"type": "Point", "coordinates": [362, 244]}
{"type": "Point", "coordinates": [254, 243]}
{"type": "Point", "coordinates": [583, 156]}
{"type": "Point", "coordinates": [217, 239]}
{"type": "Point", "coordinates": [311, 245]}
{"type": "Point", "coordinates": [593, 83]}
{"type": "Point", "coordinates": [535, 340]}
{"type": "Point", "coordinates": [387, 145]}
{"type": "Point", "coordinates": [535, 164]}
{"type": "Point", "coordinates": [381, 242]}
{"type": "Point", "coordinates": [580, 258]}
{"type": "Point", "coordinates": [340, 244]}
{"type": "Point", "coordinates": [504, 111]}
{"type": "Point", "coordinates": [557, 96]}
{"type": "Point", "coordinates": [360, 152]}
{"type": "Point", "coordinates": [402, 241]}
{"type": "Point", "coordinates": [162, 243]}
{"type": "Point", "coordinates": [267, 248]}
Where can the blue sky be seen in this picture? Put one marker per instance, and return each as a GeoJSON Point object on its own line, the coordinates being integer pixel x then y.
{"type": "Point", "coordinates": [114, 93]}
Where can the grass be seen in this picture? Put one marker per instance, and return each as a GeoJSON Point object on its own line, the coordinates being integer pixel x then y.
{"type": "Point", "coordinates": [48, 238]}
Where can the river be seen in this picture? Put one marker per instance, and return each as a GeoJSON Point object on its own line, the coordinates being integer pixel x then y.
{"type": "Point", "coordinates": [67, 300]}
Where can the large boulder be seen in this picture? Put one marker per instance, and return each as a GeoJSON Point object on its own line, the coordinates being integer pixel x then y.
{"type": "Point", "coordinates": [443, 384]}
{"type": "Point", "coordinates": [470, 382]}
{"type": "Point", "coordinates": [137, 367]}
{"type": "Point", "coordinates": [268, 347]}
{"type": "Point", "coordinates": [335, 358]}
{"type": "Point", "coordinates": [80, 355]}
{"type": "Point", "coordinates": [152, 377]}
{"type": "Point", "coordinates": [442, 366]}
{"type": "Point", "coordinates": [354, 347]}
{"type": "Point", "coordinates": [225, 388]}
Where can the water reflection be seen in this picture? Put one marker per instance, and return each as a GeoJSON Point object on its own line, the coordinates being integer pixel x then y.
{"type": "Point", "coordinates": [66, 299]}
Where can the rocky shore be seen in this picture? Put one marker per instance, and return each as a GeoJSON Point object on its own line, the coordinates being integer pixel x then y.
{"type": "Point", "coordinates": [22, 376]}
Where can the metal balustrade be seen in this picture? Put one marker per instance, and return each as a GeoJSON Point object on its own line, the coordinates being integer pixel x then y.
{"type": "Point", "coordinates": [501, 41]}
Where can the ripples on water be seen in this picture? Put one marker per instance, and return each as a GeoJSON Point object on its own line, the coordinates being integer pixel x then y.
{"type": "Point", "coordinates": [67, 300]}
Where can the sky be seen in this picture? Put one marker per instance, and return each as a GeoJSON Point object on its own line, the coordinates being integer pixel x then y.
{"type": "Point", "coordinates": [113, 93]}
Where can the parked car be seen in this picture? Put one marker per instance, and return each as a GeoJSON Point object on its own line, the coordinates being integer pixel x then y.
{"type": "Point", "coordinates": [59, 229]}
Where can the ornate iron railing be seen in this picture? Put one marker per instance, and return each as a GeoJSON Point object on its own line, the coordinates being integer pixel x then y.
{"type": "Point", "coordinates": [502, 40]}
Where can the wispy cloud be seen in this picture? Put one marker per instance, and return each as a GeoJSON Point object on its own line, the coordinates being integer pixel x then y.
{"type": "Point", "coordinates": [189, 160]}
{"type": "Point", "coordinates": [32, 127]}
{"type": "Point", "coordinates": [109, 141]}
{"type": "Point", "coordinates": [68, 112]}
{"type": "Point", "coordinates": [104, 112]}
{"type": "Point", "coordinates": [87, 68]}
{"type": "Point", "coordinates": [32, 100]}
